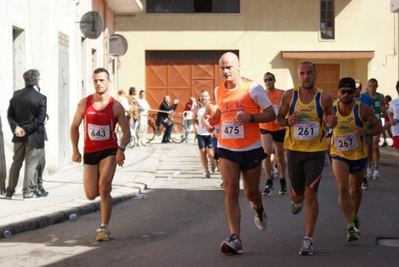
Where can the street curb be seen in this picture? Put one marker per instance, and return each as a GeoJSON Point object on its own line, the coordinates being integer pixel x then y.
{"type": "Point", "coordinates": [63, 215]}
{"type": "Point", "coordinates": [136, 186]}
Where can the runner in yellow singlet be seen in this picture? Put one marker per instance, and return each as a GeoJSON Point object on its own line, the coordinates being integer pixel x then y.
{"type": "Point", "coordinates": [306, 111]}
{"type": "Point", "coordinates": [349, 151]}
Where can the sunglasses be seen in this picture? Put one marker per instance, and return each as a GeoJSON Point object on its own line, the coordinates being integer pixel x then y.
{"type": "Point", "coordinates": [268, 80]}
{"type": "Point", "coordinates": [349, 92]}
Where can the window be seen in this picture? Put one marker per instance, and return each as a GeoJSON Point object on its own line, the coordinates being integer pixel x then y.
{"type": "Point", "coordinates": [193, 6]}
{"type": "Point", "coordinates": [327, 19]}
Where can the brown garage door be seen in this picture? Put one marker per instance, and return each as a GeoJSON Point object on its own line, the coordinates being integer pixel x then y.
{"type": "Point", "coordinates": [328, 76]}
{"type": "Point", "coordinates": [180, 74]}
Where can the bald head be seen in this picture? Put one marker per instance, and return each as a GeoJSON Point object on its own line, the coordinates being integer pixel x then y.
{"type": "Point", "coordinates": [230, 67]}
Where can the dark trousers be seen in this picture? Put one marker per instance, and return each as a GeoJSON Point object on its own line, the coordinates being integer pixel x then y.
{"type": "Point", "coordinates": [31, 155]}
{"type": "Point", "coordinates": [38, 177]}
{"type": "Point", "coordinates": [168, 130]}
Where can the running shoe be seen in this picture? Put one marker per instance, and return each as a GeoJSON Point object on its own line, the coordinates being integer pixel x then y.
{"type": "Point", "coordinates": [260, 218]}
{"type": "Point", "coordinates": [275, 173]}
{"type": "Point", "coordinates": [384, 144]}
{"type": "Point", "coordinates": [353, 234]}
{"type": "Point", "coordinates": [283, 187]}
{"type": "Point", "coordinates": [231, 245]}
{"type": "Point", "coordinates": [221, 184]}
{"type": "Point", "coordinates": [307, 247]}
{"type": "Point", "coordinates": [213, 166]}
{"type": "Point", "coordinates": [369, 172]}
{"type": "Point", "coordinates": [103, 234]}
{"type": "Point", "coordinates": [296, 207]}
{"type": "Point", "coordinates": [357, 225]}
{"type": "Point", "coordinates": [207, 174]}
{"type": "Point", "coordinates": [376, 174]}
{"type": "Point", "coordinates": [268, 188]}
{"type": "Point", "coordinates": [365, 184]}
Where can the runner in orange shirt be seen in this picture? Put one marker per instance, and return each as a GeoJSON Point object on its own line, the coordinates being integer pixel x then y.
{"type": "Point", "coordinates": [240, 102]}
{"type": "Point", "coordinates": [273, 135]}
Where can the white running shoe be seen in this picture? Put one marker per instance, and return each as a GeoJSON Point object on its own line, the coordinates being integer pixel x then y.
{"type": "Point", "coordinates": [376, 174]}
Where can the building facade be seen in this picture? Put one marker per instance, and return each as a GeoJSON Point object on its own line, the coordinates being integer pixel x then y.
{"type": "Point", "coordinates": [175, 45]}
{"type": "Point", "coordinates": [47, 35]}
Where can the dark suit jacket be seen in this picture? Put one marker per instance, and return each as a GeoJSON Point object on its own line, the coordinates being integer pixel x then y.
{"type": "Point", "coordinates": [165, 107]}
{"type": "Point", "coordinates": [28, 110]}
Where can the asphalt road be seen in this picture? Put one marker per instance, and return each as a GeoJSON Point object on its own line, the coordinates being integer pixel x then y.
{"type": "Point", "coordinates": [182, 223]}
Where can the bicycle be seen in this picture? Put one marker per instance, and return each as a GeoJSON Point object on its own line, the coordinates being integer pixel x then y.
{"type": "Point", "coordinates": [132, 142]}
{"type": "Point", "coordinates": [178, 130]}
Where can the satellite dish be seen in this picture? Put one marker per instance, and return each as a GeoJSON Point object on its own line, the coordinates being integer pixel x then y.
{"type": "Point", "coordinates": [91, 25]}
{"type": "Point", "coordinates": [117, 45]}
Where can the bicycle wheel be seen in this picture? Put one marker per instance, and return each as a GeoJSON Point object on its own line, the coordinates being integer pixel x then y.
{"type": "Point", "coordinates": [150, 132]}
{"type": "Point", "coordinates": [178, 132]}
{"type": "Point", "coordinates": [132, 142]}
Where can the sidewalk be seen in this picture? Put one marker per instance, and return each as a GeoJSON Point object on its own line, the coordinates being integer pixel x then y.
{"type": "Point", "coordinates": [66, 194]}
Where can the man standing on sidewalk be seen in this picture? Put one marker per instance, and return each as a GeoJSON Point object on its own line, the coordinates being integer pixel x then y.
{"type": "Point", "coordinates": [143, 108]}
{"type": "Point", "coordinates": [240, 102]}
{"type": "Point", "coordinates": [100, 113]}
{"type": "Point", "coordinates": [349, 151]}
{"type": "Point", "coordinates": [26, 115]}
{"type": "Point", "coordinates": [309, 112]}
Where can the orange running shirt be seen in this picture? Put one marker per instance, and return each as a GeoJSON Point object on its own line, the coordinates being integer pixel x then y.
{"type": "Point", "coordinates": [248, 97]}
{"type": "Point", "coordinates": [275, 98]}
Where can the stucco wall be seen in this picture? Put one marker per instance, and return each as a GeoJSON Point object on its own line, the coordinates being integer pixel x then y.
{"type": "Point", "coordinates": [41, 22]}
{"type": "Point", "coordinates": [264, 29]}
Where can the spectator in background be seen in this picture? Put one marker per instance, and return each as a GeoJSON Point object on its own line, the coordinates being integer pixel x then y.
{"type": "Point", "coordinates": [134, 112]}
{"type": "Point", "coordinates": [163, 117]}
{"type": "Point", "coordinates": [387, 125]}
{"type": "Point", "coordinates": [121, 98]}
{"type": "Point", "coordinates": [143, 107]}
{"type": "Point", "coordinates": [393, 113]}
{"type": "Point", "coordinates": [26, 114]}
{"type": "Point", "coordinates": [188, 115]}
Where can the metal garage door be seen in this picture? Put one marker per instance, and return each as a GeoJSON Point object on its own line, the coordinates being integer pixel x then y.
{"type": "Point", "coordinates": [180, 74]}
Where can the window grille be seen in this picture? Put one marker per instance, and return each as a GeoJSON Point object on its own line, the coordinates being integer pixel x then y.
{"type": "Point", "coordinates": [327, 19]}
{"type": "Point", "coordinates": [193, 6]}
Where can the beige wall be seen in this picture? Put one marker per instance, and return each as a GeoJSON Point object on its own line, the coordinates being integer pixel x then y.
{"type": "Point", "coordinates": [264, 29]}
{"type": "Point", "coordinates": [41, 22]}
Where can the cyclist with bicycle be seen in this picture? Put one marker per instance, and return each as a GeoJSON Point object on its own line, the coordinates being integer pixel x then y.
{"type": "Point", "coordinates": [163, 117]}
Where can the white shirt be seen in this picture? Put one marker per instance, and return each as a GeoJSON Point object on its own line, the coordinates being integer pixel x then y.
{"type": "Point", "coordinates": [143, 106]}
{"type": "Point", "coordinates": [394, 108]}
{"type": "Point", "coordinates": [201, 128]}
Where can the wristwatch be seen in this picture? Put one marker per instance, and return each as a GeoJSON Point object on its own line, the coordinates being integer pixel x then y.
{"type": "Point", "coordinates": [252, 118]}
{"type": "Point", "coordinates": [122, 147]}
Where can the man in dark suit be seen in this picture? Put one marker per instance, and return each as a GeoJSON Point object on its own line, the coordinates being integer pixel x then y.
{"type": "Point", "coordinates": [163, 117]}
{"type": "Point", "coordinates": [26, 115]}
